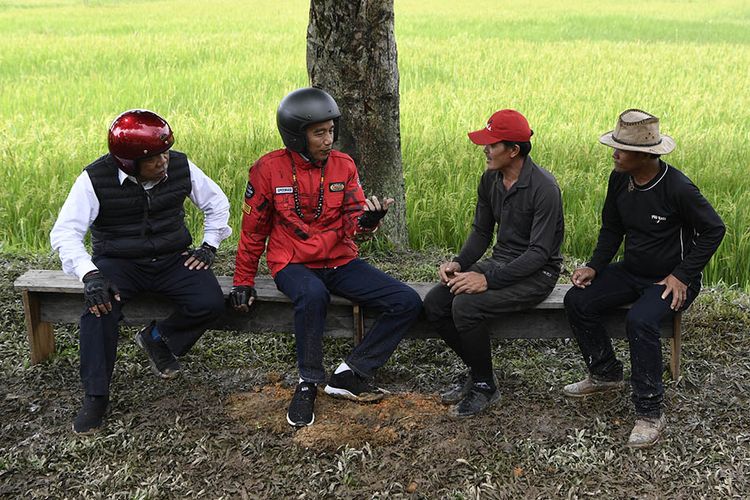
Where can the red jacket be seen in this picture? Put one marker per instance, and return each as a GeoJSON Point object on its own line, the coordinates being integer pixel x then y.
{"type": "Point", "coordinates": [269, 214]}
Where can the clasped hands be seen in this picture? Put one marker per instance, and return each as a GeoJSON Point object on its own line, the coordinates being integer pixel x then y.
{"type": "Point", "coordinates": [469, 282]}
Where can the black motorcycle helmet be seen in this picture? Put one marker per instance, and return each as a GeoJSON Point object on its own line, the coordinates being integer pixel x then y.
{"type": "Point", "coordinates": [299, 109]}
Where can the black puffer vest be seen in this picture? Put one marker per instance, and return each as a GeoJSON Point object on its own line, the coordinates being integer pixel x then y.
{"type": "Point", "coordinates": [135, 223]}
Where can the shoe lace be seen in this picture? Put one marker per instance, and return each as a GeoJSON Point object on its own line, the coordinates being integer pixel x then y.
{"type": "Point", "coordinates": [303, 394]}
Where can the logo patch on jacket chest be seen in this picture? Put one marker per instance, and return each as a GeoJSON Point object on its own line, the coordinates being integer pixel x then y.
{"type": "Point", "coordinates": [284, 190]}
{"type": "Point", "coordinates": [335, 187]}
{"type": "Point", "coordinates": [657, 218]}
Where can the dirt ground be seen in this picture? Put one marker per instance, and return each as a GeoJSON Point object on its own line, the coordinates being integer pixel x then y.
{"type": "Point", "coordinates": [219, 431]}
{"type": "Point", "coordinates": [338, 423]}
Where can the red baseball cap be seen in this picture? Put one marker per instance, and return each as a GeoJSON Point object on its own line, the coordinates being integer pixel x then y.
{"type": "Point", "coordinates": [504, 125]}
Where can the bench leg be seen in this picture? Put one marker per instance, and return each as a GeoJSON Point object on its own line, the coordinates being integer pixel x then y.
{"type": "Point", "coordinates": [41, 333]}
{"type": "Point", "coordinates": [674, 364]}
{"type": "Point", "coordinates": [359, 324]}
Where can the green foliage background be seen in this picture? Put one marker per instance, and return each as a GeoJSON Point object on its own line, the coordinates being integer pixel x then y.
{"type": "Point", "coordinates": [217, 71]}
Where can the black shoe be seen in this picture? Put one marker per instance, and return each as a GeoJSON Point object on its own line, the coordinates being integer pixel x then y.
{"type": "Point", "coordinates": [91, 415]}
{"type": "Point", "coordinates": [349, 385]}
{"type": "Point", "coordinates": [301, 409]}
{"type": "Point", "coordinates": [480, 397]}
{"type": "Point", "coordinates": [458, 390]}
{"type": "Point", "coordinates": [162, 361]}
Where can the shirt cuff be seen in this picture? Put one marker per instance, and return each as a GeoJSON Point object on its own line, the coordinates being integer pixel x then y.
{"type": "Point", "coordinates": [83, 268]}
{"type": "Point", "coordinates": [680, 275]}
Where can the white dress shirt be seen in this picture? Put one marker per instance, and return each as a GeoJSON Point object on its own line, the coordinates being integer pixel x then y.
{"type": "Point", "coordinates": [82, 207]}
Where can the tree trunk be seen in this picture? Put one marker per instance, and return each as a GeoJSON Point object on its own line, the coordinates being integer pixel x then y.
{"type": "Point", "coordinates": [351, 54]}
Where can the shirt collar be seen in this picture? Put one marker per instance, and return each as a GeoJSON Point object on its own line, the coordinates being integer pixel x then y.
{"type": "Point", "coordinates": [122, 177]}
{"type": "Point", "coordinates": [525, 176]}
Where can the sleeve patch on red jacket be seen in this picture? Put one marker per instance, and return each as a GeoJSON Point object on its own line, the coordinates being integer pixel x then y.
{"type": "Point", "coordinates": [249, 191]}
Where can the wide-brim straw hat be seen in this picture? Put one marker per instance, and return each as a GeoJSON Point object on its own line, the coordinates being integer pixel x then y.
{"type": "Point", "coordinates": [637, 130]}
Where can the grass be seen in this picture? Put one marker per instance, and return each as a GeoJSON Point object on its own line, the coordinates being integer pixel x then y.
{"type": "Point", "coordinates": [218, 70]}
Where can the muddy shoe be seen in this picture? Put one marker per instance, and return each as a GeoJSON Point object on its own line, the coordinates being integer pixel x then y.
{"type": "Point", "coordinates": [647, 432]}
{"type": "Point", "coordinates": [589, 386]}
{"type": "Point", "coordinates": [458, 390]}
{"type": "Point", "coordinates": [162, 361]}
{"type": "Point", "coordinates": [349, 385]}
{"type": "Point", "coordinates": [479, 398]}
{"type": "Point", "coordinates": [91, 415]}
{"type": "Point", "coordinates": [302, 408]}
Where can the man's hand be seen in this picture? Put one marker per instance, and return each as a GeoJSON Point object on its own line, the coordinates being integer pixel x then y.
{"type": "Point", "coordinates": [469, 282]}
{"type": "Point", "coordinates": [677, 288]}
{"type": "Point", "coordinates": [201, 258]}
{"type": "Point", "coordinates": [447, 270]}
{"type": "Point", "coordinates": [242, 297]}
{"type": "Point", "coordinates": [98, 292]}
{"type": "Point", "coordinates": [582, 277]}
{"type": "Point", "coordinates": [374, 212]}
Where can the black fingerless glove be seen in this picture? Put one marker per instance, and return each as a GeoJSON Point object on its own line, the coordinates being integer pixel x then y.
{"type": "Point", "coordinates": [98, 289]}
{"type": "Point", "coordinates": [205, 253]}
{"type": "Point", "coordinates": [371, 218]}
{"type": "Point", "coordinates": [240, 295]}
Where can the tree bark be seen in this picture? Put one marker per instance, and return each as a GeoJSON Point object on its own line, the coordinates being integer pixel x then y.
{"type": "Point", "coordinates": [351, 54]}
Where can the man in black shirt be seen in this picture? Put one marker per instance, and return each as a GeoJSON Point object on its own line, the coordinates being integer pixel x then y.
{"type": "Point", "coordinates": [671, 232]}
{"type": "Point", "coordinates": [524, 201]}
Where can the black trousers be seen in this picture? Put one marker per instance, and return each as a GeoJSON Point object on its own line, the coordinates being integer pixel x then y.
{"type": "Point", "coordinates": [196, 294]}
{"type": "Point", "coordinates": [614, 287]}
{"type": "Point", "coordinates": [461, 319]}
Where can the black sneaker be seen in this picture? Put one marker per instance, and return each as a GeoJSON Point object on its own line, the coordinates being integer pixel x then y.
{"type": "Point", "coordinates": [458, 390]}
{"type": "Point", "coordinates": [349, 385]}
{"type": "Point", "coordinates": [162, 361]}
{"type": "Point", "coordinates": [301, 409]}
{"type": "Point", "coordinates": [480, 397]}
{"type": "Point", "coordinates": [91, 415]}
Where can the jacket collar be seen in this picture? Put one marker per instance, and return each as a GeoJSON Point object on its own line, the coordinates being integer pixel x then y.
{"type": "Point", "coordinates": [300, 161]}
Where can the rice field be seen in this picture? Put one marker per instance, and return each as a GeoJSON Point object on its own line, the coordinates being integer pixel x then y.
{"type": "Point", "coordinates": [217, 70]}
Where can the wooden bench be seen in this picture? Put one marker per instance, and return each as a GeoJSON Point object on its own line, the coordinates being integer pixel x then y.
{"type": "Point", "coordinates": [52, 297]}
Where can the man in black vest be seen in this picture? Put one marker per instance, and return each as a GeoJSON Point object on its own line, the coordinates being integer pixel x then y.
{"type": "Point", "coordinates": [132, 202]}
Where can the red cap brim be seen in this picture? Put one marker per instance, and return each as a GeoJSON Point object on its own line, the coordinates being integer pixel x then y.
{"type": "Point", "coordinates": [483, 137]}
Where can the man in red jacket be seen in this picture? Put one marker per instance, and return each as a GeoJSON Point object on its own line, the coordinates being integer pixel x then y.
{"type": "Point", "coordinates": [306, 204]}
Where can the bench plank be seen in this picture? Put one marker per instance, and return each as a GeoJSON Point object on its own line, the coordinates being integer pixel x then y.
{"type": "Point", "coordinates": [53, 297]}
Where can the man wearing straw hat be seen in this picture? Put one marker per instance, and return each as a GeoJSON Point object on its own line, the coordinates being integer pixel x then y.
{"type": "Point", "coordinates": [670, 231]}
{"type": "Point", "coordinates": [523, 200]}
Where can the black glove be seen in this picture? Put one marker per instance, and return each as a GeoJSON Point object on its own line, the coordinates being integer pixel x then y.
{"type": "Point", "coordinates": [370, 218]}
{"type": "Point", "coordinates": [98, 289]}
{"type": "Point", "coordinates": [205, 253]}
{"type": "Point", "coordinates": [240, 295]}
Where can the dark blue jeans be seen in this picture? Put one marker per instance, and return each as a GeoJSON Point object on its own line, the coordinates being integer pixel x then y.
{"type": "Point", "coordinates": [196, 294]}
{"type": "Point", "coordinates": [614, 287]}
{"type": "Point", "coordinates": [309, 290]}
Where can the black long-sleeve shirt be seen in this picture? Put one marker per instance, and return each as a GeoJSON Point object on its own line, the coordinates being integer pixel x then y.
{"type": "Point", "coordinates": [530, 225]}
{"type": "Point", "coordinates": [668, 226]}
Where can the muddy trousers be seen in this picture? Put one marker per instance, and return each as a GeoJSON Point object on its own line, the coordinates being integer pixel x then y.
{"type": "Point", "coordinates": [461, 320]}
{"type": "Point", "coordinates": [614, 287]}
{"type": "Point", "coordinates": [309, 289]}
{"type": "Point", "coordinates": [197, 297]}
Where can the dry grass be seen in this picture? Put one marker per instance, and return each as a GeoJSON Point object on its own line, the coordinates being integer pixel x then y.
{"type": "Point", "coordinates": [218, 432]}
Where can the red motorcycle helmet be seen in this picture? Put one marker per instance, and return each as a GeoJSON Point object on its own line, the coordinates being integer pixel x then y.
{"type": "Point", "coordinates": [137, 134]}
